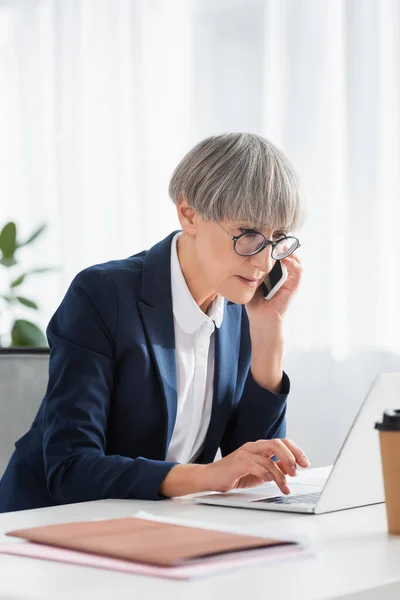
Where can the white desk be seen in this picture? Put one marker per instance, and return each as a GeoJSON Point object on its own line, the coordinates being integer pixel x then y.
{"type": "Point", "coordinates": [354, 557]}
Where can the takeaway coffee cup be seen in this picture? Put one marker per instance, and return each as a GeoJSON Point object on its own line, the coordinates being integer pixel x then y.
{"type": "Point", "coordinates": [389, 437]}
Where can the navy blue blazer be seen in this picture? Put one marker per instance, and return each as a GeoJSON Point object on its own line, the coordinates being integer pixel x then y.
{"type": "Point", "coordinates": [105, 423]}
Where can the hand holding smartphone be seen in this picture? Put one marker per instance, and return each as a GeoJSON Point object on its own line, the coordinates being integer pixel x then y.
{"type": "Point", "coordinates": [274, 280]}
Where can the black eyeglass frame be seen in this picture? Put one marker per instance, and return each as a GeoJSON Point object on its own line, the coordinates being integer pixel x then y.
{"type": "Point", "coordinates": [266, 243]}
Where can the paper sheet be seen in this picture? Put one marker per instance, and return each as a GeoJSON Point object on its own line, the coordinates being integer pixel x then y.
{"type": "Point", "coordinates": [190, 571]}
{"type": "Point", "coordinates": [203, 568]}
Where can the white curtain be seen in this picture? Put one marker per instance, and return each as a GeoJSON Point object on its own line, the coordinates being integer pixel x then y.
{"type": "Point", "coordinates": [100, 99]}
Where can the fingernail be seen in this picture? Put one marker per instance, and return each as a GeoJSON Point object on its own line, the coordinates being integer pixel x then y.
{"type": "Point", "coordinates": [287, 490]}
{"type": "Point", "coordinates": [305, 462]}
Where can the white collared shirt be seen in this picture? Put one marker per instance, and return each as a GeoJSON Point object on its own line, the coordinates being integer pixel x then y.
{"type": "Point", "coordinates": [194, 343]}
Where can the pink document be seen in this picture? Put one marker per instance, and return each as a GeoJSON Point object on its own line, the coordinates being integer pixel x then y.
{"type": "Point", "coordinates": [210, 566]}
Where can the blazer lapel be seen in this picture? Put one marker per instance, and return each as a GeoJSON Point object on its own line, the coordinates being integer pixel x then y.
{"type": "Point", "coordinates": [156, 310]}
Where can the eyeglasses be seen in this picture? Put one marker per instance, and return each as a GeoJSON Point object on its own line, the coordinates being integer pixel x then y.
{"type": "Point", "coordinates": [253, 242]}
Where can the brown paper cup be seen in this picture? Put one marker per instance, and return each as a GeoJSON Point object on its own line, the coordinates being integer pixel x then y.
{"type": "Point", "coordinates": [390, 454]}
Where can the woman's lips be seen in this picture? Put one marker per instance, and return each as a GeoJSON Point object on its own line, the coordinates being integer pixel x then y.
{"type": "Point", "coordinates": [250, 282]}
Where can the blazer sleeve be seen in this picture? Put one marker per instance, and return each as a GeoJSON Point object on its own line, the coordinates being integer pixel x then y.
{"type": "Point", "coordinates": [259, 414]}
{"type": "Point", "coordinates": [82, 339]}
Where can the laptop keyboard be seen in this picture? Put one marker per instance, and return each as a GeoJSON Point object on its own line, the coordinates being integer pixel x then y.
{"type": "Point", "coordinates": [311, 498]}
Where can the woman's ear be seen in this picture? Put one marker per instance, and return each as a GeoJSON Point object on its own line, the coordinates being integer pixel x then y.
{"type": "Point", "coordinates": [187, 215]}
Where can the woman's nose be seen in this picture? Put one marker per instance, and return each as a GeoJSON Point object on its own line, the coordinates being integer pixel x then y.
{"type": "Point", "coordinates": [263, 261]}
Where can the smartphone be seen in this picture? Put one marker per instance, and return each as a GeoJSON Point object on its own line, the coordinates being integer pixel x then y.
{"type": "Point", "coordinates": [274, 280]}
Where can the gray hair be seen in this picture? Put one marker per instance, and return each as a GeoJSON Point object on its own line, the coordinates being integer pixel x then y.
{"type": "Point", "coordinates": [240, 176]}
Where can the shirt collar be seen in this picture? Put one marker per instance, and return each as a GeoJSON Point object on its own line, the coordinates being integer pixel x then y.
{"type": "Point", "coordinates": [186, 312]}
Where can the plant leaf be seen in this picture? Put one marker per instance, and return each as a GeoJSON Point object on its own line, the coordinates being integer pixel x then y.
{"type": "Point", "coordinates": [42, 270]}
{"type": "Point", "coordinates": [25, 333]}
{"type": "Point", "coordinates": [9, 299]}
{"type": "Point", "coordinates": [8, 262]}
{"type": "Point", "coordinates": [17, 281]}
{"type": "Point", "coordinates": [21, 278]}
{"type": "Point", "coordinates": [8, 240]}
{"type": "Point", "coordinates": [33, 236]}
{"type": "Point", "coordinates": [27, 302]}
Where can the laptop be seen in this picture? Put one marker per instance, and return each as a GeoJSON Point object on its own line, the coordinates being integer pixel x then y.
{"type": "Point", "coordinates": [354, 480]}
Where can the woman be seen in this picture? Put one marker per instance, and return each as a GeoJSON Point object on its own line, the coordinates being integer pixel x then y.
{"type": "Point", "coordinates": [160, 359]}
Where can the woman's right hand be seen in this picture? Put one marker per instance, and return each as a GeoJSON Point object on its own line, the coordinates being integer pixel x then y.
{"type": "Point", "coordinates": [252, 464]}
{"type": "Point", "coordinates": [248, 466]}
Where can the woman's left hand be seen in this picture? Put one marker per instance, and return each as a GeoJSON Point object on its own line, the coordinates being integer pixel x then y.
{"type": "Point", "coordinates": [266, 328]}
{"type": "Point", "coordinates": [263, 313]}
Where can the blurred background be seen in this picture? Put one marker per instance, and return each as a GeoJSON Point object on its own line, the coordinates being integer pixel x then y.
{"type": "Point", "coordinates": [100, 99]}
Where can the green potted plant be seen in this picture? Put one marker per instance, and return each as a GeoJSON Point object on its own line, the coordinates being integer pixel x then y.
{"type": "Point", "coordinates": [22, 332]}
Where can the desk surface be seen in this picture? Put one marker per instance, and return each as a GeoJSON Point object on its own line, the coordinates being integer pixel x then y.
{"type": "Point", "coordinates": [352, 554]}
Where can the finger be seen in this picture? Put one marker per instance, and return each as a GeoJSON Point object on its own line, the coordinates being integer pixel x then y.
{"type": "Point", "coordinates": [272, 469]}
{"type": "Point", "coordinates": [292, 258]}
{"type": "Point", "coordinates": [282, 467]}
{"type": "Point", "coordinates": [276, 448]}
{"type": "Point", "coordinates": [295, 257]}
{"type": "Point", "coordinates": [298, 453]}
{"type": "Point", "coordinates": [254, 468]}
{"type": "Point", "coordinates": [262, 460]}
{"type": "Point", "coordinates": [294, 267]}
{"type": "Point", "coordinates": [248, 481]}
{"type": "Point", "coordinates": [279, 478]}
{"type": "Point", "coordinates": [295, 272]}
